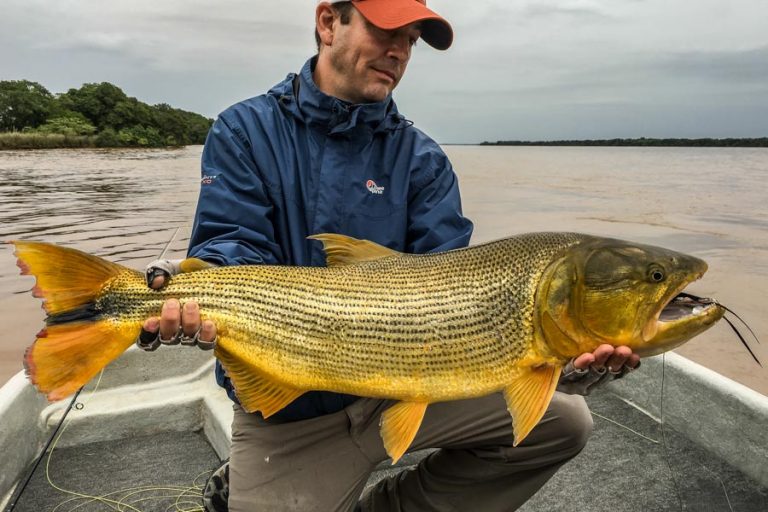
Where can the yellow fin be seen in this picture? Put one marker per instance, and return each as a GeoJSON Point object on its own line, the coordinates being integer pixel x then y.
{"type": "Point", "coordinates": [341, 250]}
{"type": "Point", "coordinates": [399, 425]}
{"type": "Point", "coordinates": [254, 390]}
{"type": "Point", "coordinates": [78, 340]}
{"type": "Point", "coordinates": [66, 278]}
{"type": "Point", "coordinates": [194, 264]}
{"type": "Point", "coordinates": [66, 356]}
{"type": "Point", "coordinates": [528, 397]}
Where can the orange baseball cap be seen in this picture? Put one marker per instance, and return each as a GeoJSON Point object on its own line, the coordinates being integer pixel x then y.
{"type": "Point", "coordinates": [393, 14]}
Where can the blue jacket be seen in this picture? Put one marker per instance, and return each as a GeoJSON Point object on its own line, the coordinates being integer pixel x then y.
{"type": "Point", "coordinates": [295, 162]}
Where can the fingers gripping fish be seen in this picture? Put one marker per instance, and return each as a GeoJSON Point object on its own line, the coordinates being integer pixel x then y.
{"type": "Point", "coordinates": [501, 316]}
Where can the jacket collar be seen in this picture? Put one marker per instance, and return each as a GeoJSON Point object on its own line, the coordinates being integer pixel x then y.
{"type": "Point", "coordinates": [314, 107]}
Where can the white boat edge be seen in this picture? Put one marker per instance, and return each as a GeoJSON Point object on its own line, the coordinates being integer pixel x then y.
{"type": "Point", "coordinates": [171, 390]}
{"type": "Point", "coordinates": [724, 417]}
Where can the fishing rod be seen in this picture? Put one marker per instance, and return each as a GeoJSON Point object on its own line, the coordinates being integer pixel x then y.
{"type": "Point", "coordinates": [19, 491]}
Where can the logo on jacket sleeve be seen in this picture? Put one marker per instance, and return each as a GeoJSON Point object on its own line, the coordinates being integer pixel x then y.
{"type": "Point", "coordinates": [373, 188]}
{"type": "Point", "coordinates": [207, 180]}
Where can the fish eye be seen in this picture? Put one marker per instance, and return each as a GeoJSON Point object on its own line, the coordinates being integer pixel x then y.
{"type": "Point", "coordinates": [656, 274]}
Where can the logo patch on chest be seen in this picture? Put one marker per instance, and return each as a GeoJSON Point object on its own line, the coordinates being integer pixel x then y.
{"type": "Point", "coordinates": [373, 188]}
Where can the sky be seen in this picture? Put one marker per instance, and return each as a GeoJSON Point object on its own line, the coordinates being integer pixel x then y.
{"type": "Point", "coordinates": [518, 69]}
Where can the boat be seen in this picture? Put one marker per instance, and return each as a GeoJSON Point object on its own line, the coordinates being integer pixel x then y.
{"type": "Point", "coordinates": [146, 433]}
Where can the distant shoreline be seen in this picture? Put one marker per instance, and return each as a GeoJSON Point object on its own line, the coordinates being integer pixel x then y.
{"type": "Point", "coordinates": [760, 142]}
{"type": "Point", "coordinates": [34, 141]}
{"type": "Point", "coordinates": [97, 115]}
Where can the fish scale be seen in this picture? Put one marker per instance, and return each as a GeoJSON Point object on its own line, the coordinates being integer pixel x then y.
{"type": "Point", "coordinates": [505, 315]}
{"type": "Point", "coordinates": [467, 312]}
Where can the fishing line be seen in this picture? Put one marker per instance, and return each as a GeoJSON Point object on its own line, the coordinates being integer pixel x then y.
{"type": "Point", "coordinates": [703, 300]}
{"type": "Point", "coordinates": [722, 484]}
{"type": "Point", "coordinates": [125, 499]}
{"type": "Point", "coordinates": [654, 441]}
{"type": "Point", "coordinates": [666, 449]}
{"type": "Point", "coordinates": [20, 490]}
{"type": "Point", "coordinates": [183, 495]}
{"type": "Point", "coordinates": [740, 320]}
{"type": "Point", "coordinates": [165, 249]}
{"type": "Point", "coordinates": [56, 442]}
{"type": "Point", "coordinates": [121, 504]}
{"type": "Point", "coordinates": [743, 341]}
{"type": "Point", "coordinates": [664, 436]}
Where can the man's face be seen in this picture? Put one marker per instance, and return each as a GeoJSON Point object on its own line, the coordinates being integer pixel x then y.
{"type": "Point", "coordinates": [366, 62]}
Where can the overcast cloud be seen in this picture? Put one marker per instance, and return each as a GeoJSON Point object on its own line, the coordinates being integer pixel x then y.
{"type": "Point", "coordinates": [518, 69]}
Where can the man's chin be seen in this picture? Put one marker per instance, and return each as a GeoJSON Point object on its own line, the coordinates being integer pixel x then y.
{"type": "Point", "coordinates": [376, 95]}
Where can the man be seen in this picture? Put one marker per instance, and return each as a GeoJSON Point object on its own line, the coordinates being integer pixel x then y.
{"type": "Point", "coordinates": [327, 151]}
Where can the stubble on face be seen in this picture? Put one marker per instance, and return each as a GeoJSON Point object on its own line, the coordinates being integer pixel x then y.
{"type": "Point", "coordinates": [367, 63]}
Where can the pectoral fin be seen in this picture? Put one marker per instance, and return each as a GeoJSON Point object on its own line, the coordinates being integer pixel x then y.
{"type": "Point", "coordinates": [528, 397]}
{"type": "Point", "coordinates": [254, 390]}
{"type": "Point", "coordinates": [399, 425]}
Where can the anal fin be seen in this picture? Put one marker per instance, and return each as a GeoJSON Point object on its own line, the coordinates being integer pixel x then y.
{"type": "Point", "coordinates": [254, 390]}
{"type": "Point", "coordinates": [528, 397]}
{"type": "Point", "coordinates": [399, 425]}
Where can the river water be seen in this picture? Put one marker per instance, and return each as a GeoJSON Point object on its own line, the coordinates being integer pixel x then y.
{"type": "Point", "coordinates": [126, 205]}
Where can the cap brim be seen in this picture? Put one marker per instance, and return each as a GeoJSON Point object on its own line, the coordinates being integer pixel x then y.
{"type": "Point", "coordinates": [393, 14]}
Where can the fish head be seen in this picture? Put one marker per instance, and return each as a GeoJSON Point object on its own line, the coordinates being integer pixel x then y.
{"type": "Point", "coordinates": [622, 293]}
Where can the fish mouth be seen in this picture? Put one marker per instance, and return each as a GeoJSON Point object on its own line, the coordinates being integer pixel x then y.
{"type": "Point", "coordinates": [685, 305]}
{"type": "Point", "coordinates": [678, 319]}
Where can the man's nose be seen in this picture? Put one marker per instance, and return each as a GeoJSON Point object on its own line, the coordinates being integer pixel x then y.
{"type": "Point", "coordinates": [400, 47]}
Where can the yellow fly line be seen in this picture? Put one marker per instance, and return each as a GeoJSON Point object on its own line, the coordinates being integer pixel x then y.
{"type": "Point", "coordinates": [131, 499]}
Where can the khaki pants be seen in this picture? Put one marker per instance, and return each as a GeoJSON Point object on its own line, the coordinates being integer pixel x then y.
{"type": "Point", "coordinates": [322, 464]}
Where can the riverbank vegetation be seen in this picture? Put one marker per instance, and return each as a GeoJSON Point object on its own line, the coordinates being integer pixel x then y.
{"type": "Point", "coordinates": [95, 115]}
{"type": "Point", "coordinates": [760, 142]}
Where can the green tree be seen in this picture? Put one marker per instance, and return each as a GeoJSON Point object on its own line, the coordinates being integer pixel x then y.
{"type": "Point", "coordinates": [170, 123]}
{"type": "Point", "coordinates": [94, 101]}
{"type": "Point", "coordinates": [182, 126]}
{"type": "Point", "coordinates": [108, 138]}
{"type": "Point", "coordinates": [100, 109]}
{"type": "Point", "coordinates": [140, 136]}
{"type": "Point", "coordinates": [71, 123]}
{"type": "Point", "coordinates": [23, 104]}
{"type": "Point", "coordinates": [129, 112]}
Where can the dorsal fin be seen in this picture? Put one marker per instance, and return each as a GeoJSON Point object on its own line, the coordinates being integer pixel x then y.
{"type": "Point", "coordinates": [341, 250]}
{"type": "Point", "coordinates": [194, 264]}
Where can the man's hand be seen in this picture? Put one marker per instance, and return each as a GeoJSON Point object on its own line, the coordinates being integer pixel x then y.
{"type": "Point", "coordinates": [158, 272]}
{"type": "Point", "coordinates": [607, 357]}
{"type": "Point", "coordinates": [179, 325]}
{"type": "Point", "coordinates": [592, 369]}
{"type": "Point", "coordinates": [176, 324]}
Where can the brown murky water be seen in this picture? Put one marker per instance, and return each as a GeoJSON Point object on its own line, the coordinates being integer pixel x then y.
{"type": "Point", "coordinates": [126, 205]}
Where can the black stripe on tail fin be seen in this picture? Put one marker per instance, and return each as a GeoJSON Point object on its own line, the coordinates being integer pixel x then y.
{"type": "Point", "coordinates": [78, 341]}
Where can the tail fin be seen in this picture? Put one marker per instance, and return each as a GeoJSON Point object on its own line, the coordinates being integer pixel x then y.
{"type": "Point", "coordinates": [77, 341]}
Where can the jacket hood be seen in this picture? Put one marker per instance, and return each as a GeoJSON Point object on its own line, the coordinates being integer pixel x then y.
{"type": "Point", "coordinates": [314, 107]}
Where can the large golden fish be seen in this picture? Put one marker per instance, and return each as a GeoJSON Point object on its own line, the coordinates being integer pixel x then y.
{"type": "Point", "coordinates": [502, 316]}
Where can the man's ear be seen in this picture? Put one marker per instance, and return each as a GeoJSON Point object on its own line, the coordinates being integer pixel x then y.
{"type": "Point", "coordinates": [324, 18]}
